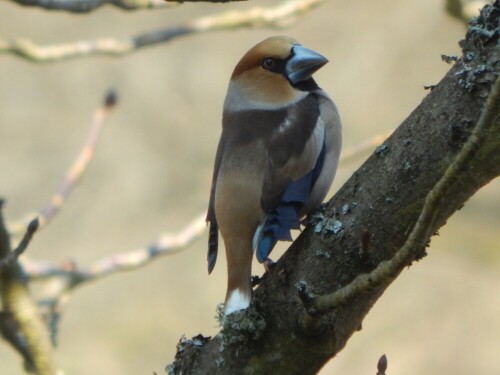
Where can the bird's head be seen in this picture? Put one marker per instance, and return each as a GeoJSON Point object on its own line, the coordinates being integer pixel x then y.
{"type": "Point", "coordinates": [272, 74]}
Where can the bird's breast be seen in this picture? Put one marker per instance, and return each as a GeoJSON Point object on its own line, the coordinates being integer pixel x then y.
{"type": "Point", "coordinates": [238, 190]}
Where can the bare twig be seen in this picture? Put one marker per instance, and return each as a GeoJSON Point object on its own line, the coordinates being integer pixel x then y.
{"type": "Point", "coordinates": [14, 255]}
{"type": "Point", "coordinates": [63, 279]}
{"type": "Point", "coordinates": [167, 244]}
{"type": "Point", "coordinates": [278, 16]}
{"type": "Point", "coordinates": [75, 172]}
{"type": "Point", "coordinates": [417, 239]}
{"type": "Point", "coordinates": [85, 6]}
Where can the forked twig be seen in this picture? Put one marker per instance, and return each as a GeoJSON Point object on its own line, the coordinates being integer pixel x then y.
{"type": "Point", "coordinates": [14, 254]}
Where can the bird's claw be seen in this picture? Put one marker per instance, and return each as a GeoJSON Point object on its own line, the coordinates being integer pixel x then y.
{"type": "Point", "coordinates": [268, 264]}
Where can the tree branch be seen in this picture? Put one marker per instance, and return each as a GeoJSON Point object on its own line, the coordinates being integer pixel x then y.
{"type": "Point", "coordinates": [366, 223]}
{"type": "Point", "coordinates": [85, 6]}
{"type": "Point", "coordinates": [389, 269]}
{"type": "Point", "coordinates": [278, 16]}
{"type": "Point", "coordinates": [167, 244]}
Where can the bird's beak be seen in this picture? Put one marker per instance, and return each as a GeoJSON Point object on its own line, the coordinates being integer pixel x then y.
{"type": "Point", "coordinates": [303, 63]}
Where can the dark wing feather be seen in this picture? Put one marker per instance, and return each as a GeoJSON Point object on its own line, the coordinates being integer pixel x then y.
{"type": "Point", "coordinates": [288, 144]}
{"type": "Point", "coordinates": [284, 216]}
{"type": "Point", "coordinates": [284, 192]}
{"type": "Point", "coordinates": [213, 234]}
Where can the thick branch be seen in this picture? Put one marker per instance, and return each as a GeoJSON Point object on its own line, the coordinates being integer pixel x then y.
{"type": "Point", "coordinates": [389, 269]}
{"type": "Point", "coordinates": [366, 223]}
{"type": "Point", "coordinates": [278, 16]}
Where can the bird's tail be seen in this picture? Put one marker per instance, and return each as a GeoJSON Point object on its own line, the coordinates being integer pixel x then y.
{"type": "Point", "coordinates": [239, 270]}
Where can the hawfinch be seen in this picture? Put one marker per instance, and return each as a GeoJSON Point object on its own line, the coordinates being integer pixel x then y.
{"type": "Point", "coordinates": [276, 159]}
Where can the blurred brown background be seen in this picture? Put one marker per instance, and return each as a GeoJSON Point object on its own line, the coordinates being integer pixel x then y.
{"type": "Point", "coordinates": [153, 166]}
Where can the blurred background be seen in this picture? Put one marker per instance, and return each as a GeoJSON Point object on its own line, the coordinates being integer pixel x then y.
{"type": "Point", "coordinates": [152, 172]}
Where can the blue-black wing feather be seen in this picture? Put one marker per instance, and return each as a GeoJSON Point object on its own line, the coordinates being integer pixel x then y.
{"type": "Point", "coordinates": [285, 215]}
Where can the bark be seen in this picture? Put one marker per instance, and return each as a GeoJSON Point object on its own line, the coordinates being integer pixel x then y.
{"type": "Point", "coordinates": [364, 224]}
{"type": "Point", "coordinates": [20, 323]}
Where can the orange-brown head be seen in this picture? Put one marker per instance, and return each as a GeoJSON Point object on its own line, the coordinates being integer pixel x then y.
{"type": "Point", "coordinates": [269, 74]}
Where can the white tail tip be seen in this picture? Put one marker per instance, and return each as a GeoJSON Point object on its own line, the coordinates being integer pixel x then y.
{"type": "Point", "coordinates": [236, 300]}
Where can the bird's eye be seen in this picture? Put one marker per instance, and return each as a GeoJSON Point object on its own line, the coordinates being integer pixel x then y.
{"type": "Point", "coordinates": [268, 63]}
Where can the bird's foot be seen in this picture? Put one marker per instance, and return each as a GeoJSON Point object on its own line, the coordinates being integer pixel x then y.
{"type": "Point", "coordinates": [268, 264]}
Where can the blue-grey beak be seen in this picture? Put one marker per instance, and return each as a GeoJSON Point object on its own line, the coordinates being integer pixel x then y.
{"type": "Point", "coordinates": [303, 63]}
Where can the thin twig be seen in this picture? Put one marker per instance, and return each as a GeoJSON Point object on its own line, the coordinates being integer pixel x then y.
{"type": "Point", "coordinates": [65, 278]}
{"type": "Point", "coordinates": [278, 16]}
{"type": "Point", "coordinates": [417, 239]}
{"type": "Point", "coordinates": [166, 244]}
{"type": "Point", "coordinates": [14, 255]}
{"type": "Point", "coordinates": [74, 173]}
{"type": "Point", "coordinates": [85, 6]}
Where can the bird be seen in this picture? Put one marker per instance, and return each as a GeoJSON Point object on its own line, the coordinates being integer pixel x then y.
{"type": "Point", "coordinates": [276, 158]}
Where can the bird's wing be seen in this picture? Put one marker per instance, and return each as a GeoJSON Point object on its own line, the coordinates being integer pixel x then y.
{"type": "Point", "coordinates": [296, 153]}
